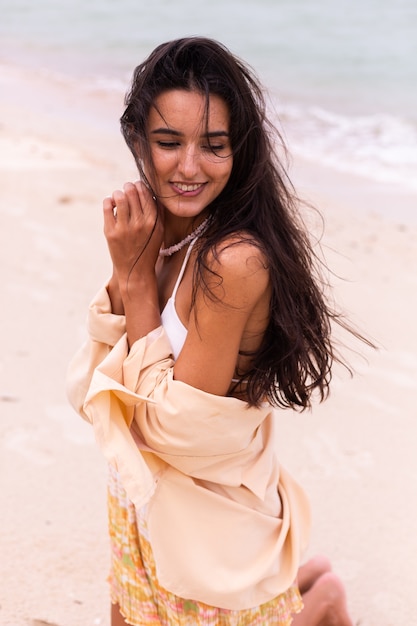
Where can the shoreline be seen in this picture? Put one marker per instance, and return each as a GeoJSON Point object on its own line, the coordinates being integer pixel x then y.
{"type": "Point", "coordinates": [80, 109]}
{"type": "Point", "coordinates": [59, 157]}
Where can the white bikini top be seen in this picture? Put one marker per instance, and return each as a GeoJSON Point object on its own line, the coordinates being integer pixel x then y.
{"type": "Point", "coordinates": [172, 324]}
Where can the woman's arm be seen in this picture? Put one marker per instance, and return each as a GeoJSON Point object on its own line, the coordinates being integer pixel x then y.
{"type": "Point", "coordinates": [134, 234]}
{"type": "Point", "coordinates": [238, 288]}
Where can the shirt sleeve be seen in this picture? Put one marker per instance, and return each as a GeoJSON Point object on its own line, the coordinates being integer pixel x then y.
{"type": "Point", "coordinates": [104, 330]}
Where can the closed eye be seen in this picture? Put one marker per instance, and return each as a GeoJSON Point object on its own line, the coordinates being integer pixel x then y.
{"type": "Point", "coordinates": [168, 145]}
{"type": "Point", "coordinates": [214, 147]}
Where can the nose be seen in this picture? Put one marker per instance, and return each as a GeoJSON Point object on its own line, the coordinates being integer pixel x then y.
{"type": "Point", "coordinates": [188, 164]}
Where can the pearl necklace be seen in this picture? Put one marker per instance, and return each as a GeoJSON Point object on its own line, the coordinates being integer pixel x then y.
{"type": "Point", "coordinates": [178, 246]}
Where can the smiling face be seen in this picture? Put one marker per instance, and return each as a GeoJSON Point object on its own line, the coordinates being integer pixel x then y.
{"type": "Point", "coordinates": [190, 150]}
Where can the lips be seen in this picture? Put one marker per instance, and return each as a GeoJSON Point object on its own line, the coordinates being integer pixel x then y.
{"type": "Point", "coordinates": [188, 188]}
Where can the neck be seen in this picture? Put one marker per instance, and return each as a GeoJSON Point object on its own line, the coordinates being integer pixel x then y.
{"type": "Point", "coordinates": [167, 251]}
{"type": "Point", "coordinates": [176, 228]}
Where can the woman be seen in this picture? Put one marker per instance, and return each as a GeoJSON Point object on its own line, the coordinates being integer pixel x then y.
{"type": "Point", "coordinates": [213, 315]}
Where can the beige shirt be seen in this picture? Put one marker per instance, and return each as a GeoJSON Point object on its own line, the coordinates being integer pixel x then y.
{"type": "Point", "coordinates": [227, 523]}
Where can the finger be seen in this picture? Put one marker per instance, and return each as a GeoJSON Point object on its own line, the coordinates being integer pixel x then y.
{"type": "Point", "coordinates": [135, 205]}
{"type": "Point", "coordinates": [153, 217]}
{"type": "Point", "coordinates": [143, 190]}
{"type": "Point", "coordinates": [146, 188]}
{"type": "Point", "coordinates": [121, 206]}
{"type": "Point", "coordinates": [146, 198]}
{"type": "Point", "coordinates": [109, 211]}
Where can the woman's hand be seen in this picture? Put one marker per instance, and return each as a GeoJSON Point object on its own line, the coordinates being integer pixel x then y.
{"type": "Point", "coordinates": [134, 232]}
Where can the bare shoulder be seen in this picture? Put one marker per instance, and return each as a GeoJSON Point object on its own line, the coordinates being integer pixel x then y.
{"type": "Point", "coordinates": [229, 313]}
{"type": "Point", "coordinates": [239, 269]}
{"type": "Point", "coordinates": [239, 257]}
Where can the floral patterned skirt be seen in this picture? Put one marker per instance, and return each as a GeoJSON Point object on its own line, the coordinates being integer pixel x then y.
{"type": "Point", "coordinates": [135, 588]}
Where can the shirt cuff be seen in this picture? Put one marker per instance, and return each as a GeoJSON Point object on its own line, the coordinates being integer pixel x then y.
{"type": "Point", "coordinates": [103, 325]}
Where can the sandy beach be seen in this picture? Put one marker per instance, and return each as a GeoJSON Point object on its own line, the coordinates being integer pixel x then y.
{"type": "Point", "coordinates": [60, 153]}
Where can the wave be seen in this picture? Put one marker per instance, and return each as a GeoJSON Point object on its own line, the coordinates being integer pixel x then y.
{"type": "Point", "coordinates": [380, 147]}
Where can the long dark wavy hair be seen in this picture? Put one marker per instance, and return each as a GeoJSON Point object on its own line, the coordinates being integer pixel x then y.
{"type": "Point", "coordinates": [258, 204]}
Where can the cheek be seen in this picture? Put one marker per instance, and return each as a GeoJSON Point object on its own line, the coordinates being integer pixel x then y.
{"type": "Point", "coordinates": [227, 170]}
{"type": "Point", "coordinates": [220, 169]}
{"type": "Point", "coordinates": [161, 166]}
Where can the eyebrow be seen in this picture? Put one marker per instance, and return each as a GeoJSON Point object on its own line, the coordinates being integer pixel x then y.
{"type": "Point", "coordinates": [176, 133]}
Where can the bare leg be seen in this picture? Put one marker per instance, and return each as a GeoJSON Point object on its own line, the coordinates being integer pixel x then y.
{"type": "Point", "coordinates": [116, 617]}
{"type": "Point", "coordinates": [323, 596]}
{"type": "Point", "coordinates": [310, 572]}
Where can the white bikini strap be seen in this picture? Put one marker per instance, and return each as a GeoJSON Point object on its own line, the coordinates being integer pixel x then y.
{"type": "Point", "coordinates": [182, 270]}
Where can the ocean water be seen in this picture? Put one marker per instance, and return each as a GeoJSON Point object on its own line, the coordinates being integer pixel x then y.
{"type": "Point", "coordinates": [342, 74]}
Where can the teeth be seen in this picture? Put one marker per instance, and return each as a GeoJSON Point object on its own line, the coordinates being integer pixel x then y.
{"type": "Point", "coordinates": [187, 187]}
